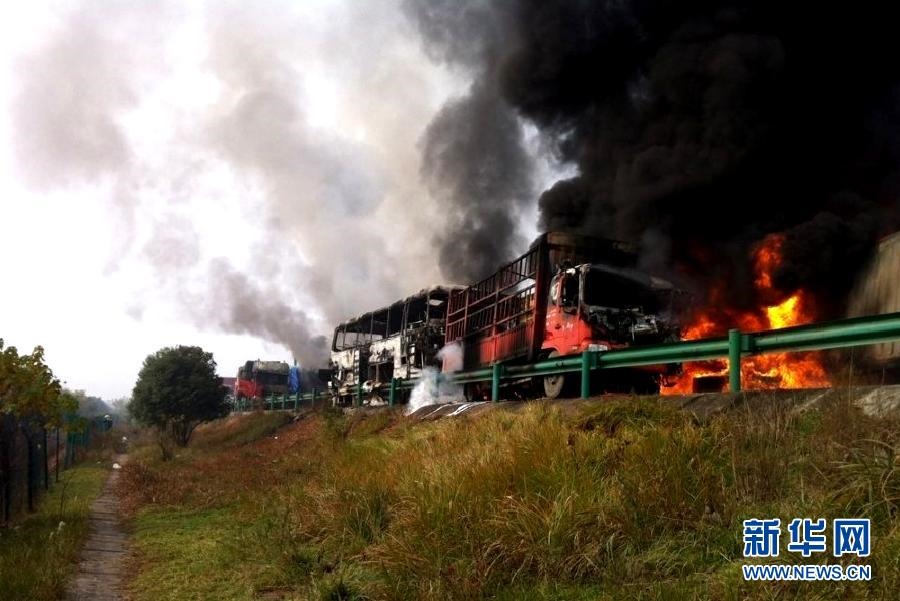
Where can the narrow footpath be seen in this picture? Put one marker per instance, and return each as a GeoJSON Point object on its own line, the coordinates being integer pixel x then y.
{"type": "Point", "coordinates": [102, 560]}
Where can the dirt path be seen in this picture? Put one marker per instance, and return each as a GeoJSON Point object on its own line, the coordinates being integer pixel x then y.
{"type": "Point", "coordinates": [101, 564]}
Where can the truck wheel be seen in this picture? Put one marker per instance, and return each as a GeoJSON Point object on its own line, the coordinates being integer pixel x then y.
{"type": "Point", "coordinates": [473, 392]}
{"type": "Point", "coordinates": [556, 386]}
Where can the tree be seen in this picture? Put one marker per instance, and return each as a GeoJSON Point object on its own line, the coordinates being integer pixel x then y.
{"type": "Point", "coordinates": [31, 400]}
{"type": "Point", "coordinates": [177, 389]}
{"type": "Point", "coordinates": [120, 408]}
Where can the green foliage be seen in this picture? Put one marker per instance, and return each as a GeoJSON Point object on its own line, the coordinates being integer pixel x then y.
{"type": "Point", "coordinates": [178, 389]}
{"type": "Point", "coordinates": [29, 389]}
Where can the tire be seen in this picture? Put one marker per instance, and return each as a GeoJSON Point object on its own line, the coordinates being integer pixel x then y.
{"type": "Point", "coordinates": [558, 386]}
{"type": "Point", "coordinates": [473, 392]}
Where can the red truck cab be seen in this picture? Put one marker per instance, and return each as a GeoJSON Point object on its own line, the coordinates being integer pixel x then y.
{"type": "Point", "coordinates": [605, 306]}
{"type": "Point", "coordinates": [256, 379]}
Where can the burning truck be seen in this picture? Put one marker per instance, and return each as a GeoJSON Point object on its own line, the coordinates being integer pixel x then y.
{"type": "Point", "coordinates": [256, 379]}
{"type": "Point", "coordinates": [566, 294]}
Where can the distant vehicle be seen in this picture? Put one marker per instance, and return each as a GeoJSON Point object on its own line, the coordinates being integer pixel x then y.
{"type": "Point", "coordinates": [294, 380]}
{"type": "Point", "coordinates": [228, 385]}
{"type": "Point", "coordinates": [257, 379]}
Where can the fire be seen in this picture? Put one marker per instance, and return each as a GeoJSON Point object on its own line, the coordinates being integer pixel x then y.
{"type": "Point", "coordinates": [783, 370]}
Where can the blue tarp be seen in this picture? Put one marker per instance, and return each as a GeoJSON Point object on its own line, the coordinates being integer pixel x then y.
{"type": "Point", "coordinates": [294, 380]}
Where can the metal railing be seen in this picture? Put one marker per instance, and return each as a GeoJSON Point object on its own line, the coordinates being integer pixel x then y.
{"type": "Point", "coordinates": [842, 333]}
{"type": "Point", "coordinates": [280, 402]}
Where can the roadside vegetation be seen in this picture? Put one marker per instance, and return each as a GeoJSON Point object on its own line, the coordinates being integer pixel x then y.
{"type": "Point", "coordinates": [608, 499]}
{"type": "Point", "coordinates": [37, 555]}
{"type": "Point", "coordinates": [177, 390]}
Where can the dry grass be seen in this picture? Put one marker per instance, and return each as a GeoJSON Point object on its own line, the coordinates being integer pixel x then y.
{"type": "Point", "coordinates": [617, 499]}
{"type": "Point", "coordinates": [37, 555]}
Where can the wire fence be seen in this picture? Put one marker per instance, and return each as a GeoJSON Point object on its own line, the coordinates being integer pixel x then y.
{"type": "Point", "coordinates": [31, 457]}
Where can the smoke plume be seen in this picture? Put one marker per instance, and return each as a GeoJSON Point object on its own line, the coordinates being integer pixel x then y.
{"type": "Point", "coordinates": [433, 388]}
{"type": "Point", "coordinates": [473, 152]}
{"type": "Point", "coordinates": [238, 305]}
{"type": "Point", "coordinates": [700, 127]}
{"type": "Point", "coordinates": [291, 132]}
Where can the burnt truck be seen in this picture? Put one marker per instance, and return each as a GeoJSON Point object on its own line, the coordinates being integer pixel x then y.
{"type": "Point", "coordinates": [397, 341]}
{"type": "Point", "coordinates": [566, 294]}
{"type": "Point", "coordinates": [257, 379]}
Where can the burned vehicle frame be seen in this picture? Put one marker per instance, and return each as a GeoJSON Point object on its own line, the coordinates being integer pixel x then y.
{"type": "Point", "coordinates": [397, 341]}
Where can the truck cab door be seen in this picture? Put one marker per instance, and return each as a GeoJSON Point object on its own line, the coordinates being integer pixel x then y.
{"type": "Point", "coordinates": [562, 313]}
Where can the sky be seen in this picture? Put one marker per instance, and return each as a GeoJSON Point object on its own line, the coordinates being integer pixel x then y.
{"type": "Point", "coordinates": [238, 176]}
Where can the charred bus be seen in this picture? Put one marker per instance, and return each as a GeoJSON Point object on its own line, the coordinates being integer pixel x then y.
{"type": "Point", "coordinates": [397, 341]}
{"type": "Point", "coordinates": [565, 295]}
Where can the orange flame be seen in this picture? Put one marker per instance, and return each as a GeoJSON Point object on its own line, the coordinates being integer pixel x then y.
{"type": "Point", "coordinates": [783, 370]}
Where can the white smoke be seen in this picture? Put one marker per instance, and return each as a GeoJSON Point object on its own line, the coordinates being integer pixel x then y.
{"type": "Point", "coordinates": [434, 387]}
{"type": "Point", "coordinates": [219, 120]}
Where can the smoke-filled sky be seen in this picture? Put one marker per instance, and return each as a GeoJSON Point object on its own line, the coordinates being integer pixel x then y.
{"type": "Point", "coordinates": [240, 176]}
{"type": "Point", "coordinates": [243, 176]}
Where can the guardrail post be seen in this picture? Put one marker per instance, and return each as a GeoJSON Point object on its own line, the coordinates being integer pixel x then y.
{"type": "Point", "coordinates": [734, 360]}
{"type": "Point", "coordinates": [358, 402]}
{"type": "Point", "coordinates": [392, 396]}
{"type": "Point", "coordinates": [314, 395]}
{"type": "Point", "coordinates": [586, 374]}
{"type": "Point", "coordinates": [496, 371]}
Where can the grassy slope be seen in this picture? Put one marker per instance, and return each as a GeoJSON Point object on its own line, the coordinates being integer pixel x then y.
{"type": "Point", "coordinates": [614, 499]}
{"type": "Point", "coordinates": [36, 556]}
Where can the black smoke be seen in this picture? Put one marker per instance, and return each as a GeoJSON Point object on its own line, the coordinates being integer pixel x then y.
{"type": "Point", "coordinates": [474, 161]}
{"type": "Point", "coordinates": [700, 127]}
{"type": "Point", "coordinates": [474, 158]}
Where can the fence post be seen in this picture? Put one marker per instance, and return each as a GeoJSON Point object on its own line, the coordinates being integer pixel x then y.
{"type": "Point", "coordinates": [734, 359]}
{"type": "Point", "coordinates": [586, 374]}
{"type": "Point", "coordinates": [67, 461]}
{"type": "Point", "coordinates": [496, 371]}
{"type": "Point", "coordinates": [392, 396]}
{"type": "Point", "coordinates": [46, 460]}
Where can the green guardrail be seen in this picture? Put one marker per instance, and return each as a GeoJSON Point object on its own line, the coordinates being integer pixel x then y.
{"type": "Point", "coordinates": [842, 333]}
{"type": "Point", "coordinates": [280, 402]}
